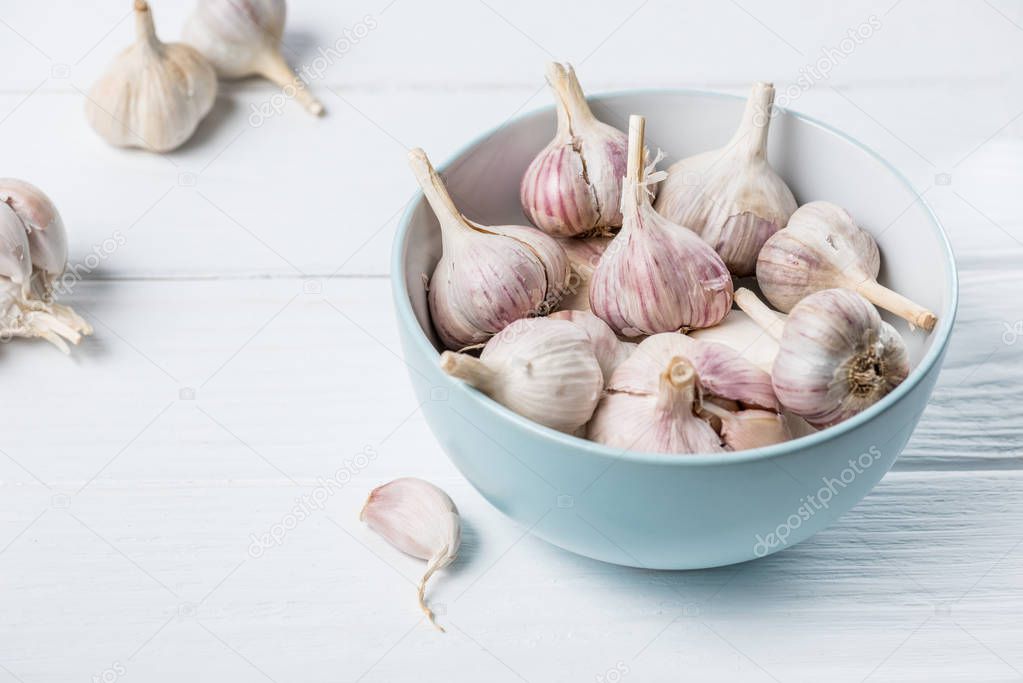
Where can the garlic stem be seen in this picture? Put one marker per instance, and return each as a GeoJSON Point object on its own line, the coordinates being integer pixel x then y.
{"type": "Point", "coordinates": [144, 28]}
{"type": "Point", "coordinates": [574, 110]}
{"type": "Point", "coordinates": [273, 67]}
{"type": "Point", "coordinates": [677, 386]}
{"type": "Point", "coordinates": [634, 169]}
{"type": "Point", "coordinates": [880, 295]}
{"type": "Point", "coordinates": [758, 311]}
{"type": "Point", "coordinates": [469, 369]}
{"type": "Point", "coordinates": [435, 192]}
{"type": "Point", "coordinates": [751, 136]}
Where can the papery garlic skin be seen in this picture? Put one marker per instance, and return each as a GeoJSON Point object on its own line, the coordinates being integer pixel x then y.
{"type": "Point", "coordinates": [662, 421]}
{"type": "Point", "coordinates": [542, 369]}
{"type": "Point", "coordinates": [823, 248]}
{"type": "Point", "coordinates": [574, 184]}
{"type": "Point", "coordinates": [487, 276]}
{"type": "Point", "coordinates": [608, 348]}
{"type": "Point", "coordinates": [739, 333]}
{"type": "Point", "coordinates": [243, 38]}
{"type": "Point", "coordinates": [419, 519]}
{"type": "Point", "coordinates": [583, 256]}
{"type": "Point", "coordinates": [731, 196]}
{"type": "Point", "coordinates": [154, 94]}
{"type": "Point", "coordinates": [655, 276]}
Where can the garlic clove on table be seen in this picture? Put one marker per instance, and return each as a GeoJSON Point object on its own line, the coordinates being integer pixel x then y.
{"type": "Point", "coordinates": [823, 248]}
{"type": "Point", "coordinates": [243, 38]}
{"type": "Point", "coordinates": [542, 369]}
{"type": "Point", "coordinates": [731, 196]}
{"type": "Point", "coordinates": [487, 277]}
{"type": "Point", "coordinates": [418, 519]}
{"type": "Point", "coordinates": [656, 276]}
{"type": "Point", "coordinates": [573, 185]}
{"type": "Point", "coordinates": [154, 94]}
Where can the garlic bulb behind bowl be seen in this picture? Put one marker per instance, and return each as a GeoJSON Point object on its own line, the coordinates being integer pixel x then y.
{"type": "Point", "coordinates": [542, 369]}
{"type": "Point", "coordinates": [574, 184]}
{"type": "Point", "coordinates": [154, 94]}
{"type": "Point", "coordinates": [243, 38]}
{"type": "Point", "coordinates": [731, 196]}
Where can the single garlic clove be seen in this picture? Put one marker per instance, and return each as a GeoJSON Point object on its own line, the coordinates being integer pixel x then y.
{"type": "Point", "coordinates": [418, 519]}
{"type": "Point", "coordinates": [487, 277]}
{"type": "Point", "coordinates": [836, 356]}
{"type": "Point", "coordinates": [243, 38]}
{"type": "Point", "coordinates": [542, 369]}
{"type": "Point", "coordinates": [823, 248]}
{"type": "Point", "coordinates": [609, 349]}
{"type": "Point", "coordinates": [574, 184]}
{"type": "Point", "coordinates": [154, 94]}
{"type": "Point", "coordinates": [731, 196]}
{"type": "Point", "coordinates": [739, 333]}
{"type": "Point", "coordinates": [662, 421]}
{"type": "Point", "coordinates": [47, 237]}
{"type": "Point", "coordinates": [583, 256]}
{"type": "Point", "coordinates": [745, 429]}
{"type": "Point", "coordinates": [655, 276]}
{"type": "Point", "coordinates": [723, 373]}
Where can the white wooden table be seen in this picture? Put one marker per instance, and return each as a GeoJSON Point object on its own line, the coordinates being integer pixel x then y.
{"type": "Point", "coordinates": [245, 350]}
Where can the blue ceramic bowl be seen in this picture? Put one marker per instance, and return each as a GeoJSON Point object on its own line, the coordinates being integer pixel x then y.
{"type": "Point", "coordinates": [685, 511]}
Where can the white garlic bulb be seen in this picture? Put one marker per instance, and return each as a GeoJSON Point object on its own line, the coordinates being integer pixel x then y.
{"type": "Point", "coordinates": [33, 254]}
{"type": "Point", "coordinates": [583, 256]}
{"type": "Point", "coordinates": [739, 333]}
{"type": "Point", "coordinates": [836, 356]}
{"type": "Point", "coordinates": [609, 349]}
{"type": "Point", "coordinates": [656, 276]}
{"type": "Point", "coordinates": [243, 38]}
{"type": "Point", "coordinates": [574, 184]}
{"type": "Point", "coordinates": [661, 420]}
{"type": "Point", "coordinates": [731, 196]}
{"type": "Point", "coordinates": [419, 519]}
{"type": "Point", "coordinates": [823, 248]}
{"type": "Point", "coordinates": [154, 94]}
{"type": "Point", "coordinates": [487, 276]}
{"type": "Point", "coordinates": [542, 369]}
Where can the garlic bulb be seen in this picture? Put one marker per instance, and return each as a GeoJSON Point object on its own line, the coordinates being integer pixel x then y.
{"type": "Point", "coordinates": [583, 256]}
{"type": "Point", "coordinates": [821, 248]}
{"type": "Point", "coordinates": [419, 519]}
{"type": "Point", "coordinates": [542, 369]}
{"type": "Point", "coordinates": [243, 38]}
{"type": "Point", "coordinates": [661, 420]}
{"type": "Point", "coordinates": [731, 196]}
{"type": "Point", "coordinates": [609, 349]}
{"type": "Point", "coordinates": [739, 333]}
{"type": "Point", "coordinates": [836, 356]}
{"type": "Point", "coordinates": [753, 428]}
{"type": "Point", "coordinates": [154, 94]}
{"type": "Point", "coordinates": [574, 184]}
{"type": "Point", "coordinates": [656, 276]}
{"type": "Point", "coordinates": [487, 276]}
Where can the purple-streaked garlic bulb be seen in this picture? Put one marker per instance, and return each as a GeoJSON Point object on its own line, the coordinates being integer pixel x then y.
{"type": "Point", "coordinates": [836, 356]}
{"type": "Point", "coordinates": [656, 276]}
{"type": "Point", "coordinates": [583, 256]}
{"type": "Point", "coordinates": [545, 370]}
{"type": "Point", "coordinates": [487, 276]}
{"type": "Point", "coordinates": [607, 347]}
{"type": "Point", "coordinates": [739, 333]}
{"type": "Point", "coordinates": [574, 184]}
{"type": "Point", "coordinates": [33, 255]}
{"type": "Point", "coordinates": [823, 248]}
{"type": "Point", "coordinates": [731, 196]}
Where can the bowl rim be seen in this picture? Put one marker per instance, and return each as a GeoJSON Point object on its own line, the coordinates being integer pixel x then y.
{"type": "Point", "coordinates": [406, 316]}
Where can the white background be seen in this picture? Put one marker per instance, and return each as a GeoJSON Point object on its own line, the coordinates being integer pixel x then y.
{"type": "Point", "coordinates": [245, 347]}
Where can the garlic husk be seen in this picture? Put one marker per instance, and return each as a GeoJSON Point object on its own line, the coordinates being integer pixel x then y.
{"type": "Point", "coordinates": [836, 356]}
{"type": "Point", "coordinates": [574, 184]}
{"type": "Point", "coordinates": [656, 276]}
{"type": "Point", "coordinates": [739, 333]}
{"type": "Point", "coordinates": [753, 428]}
{"type": "Point", "coordinates": [608, 348]}
{"type": "Point", "coordinates": [487, 277]}
{"type": "Point", "coordinates": [418, 519]}
{"type": "Point", "coordinates": [660, 421]}
{"type": "Point", "coordinates": [243, 38]}
{"type": "Point", "coordinates": [542, 369]}
{"type": "Point", "coordinates": [731, 196]}
{"type": "Point", "coordinates": [154, 94]}
{"type": "Point", "coordinates": [583, 256]}
{"type": "Point", "coordinates": [823, 248]}
{"type": "Point", "coordinates": [723, 373]}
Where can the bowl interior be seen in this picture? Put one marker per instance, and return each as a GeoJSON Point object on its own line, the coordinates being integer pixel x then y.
{"type": "Point", "coordinates": [817, 163]}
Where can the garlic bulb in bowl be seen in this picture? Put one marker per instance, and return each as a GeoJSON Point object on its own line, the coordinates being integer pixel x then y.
{"type": "Point", "coordinates": [583, 256]}
{"type": "Point", "coordinates": [574, 184]}
{"type": "Point", "coordinates": [609, 349]}
{"type": "Point", "coordinates": [731, 196]}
